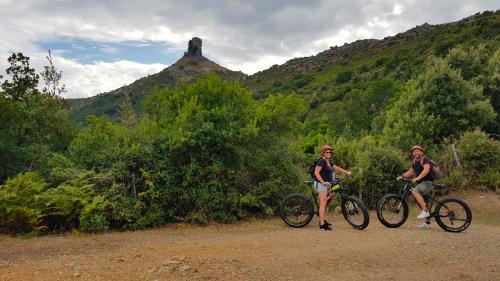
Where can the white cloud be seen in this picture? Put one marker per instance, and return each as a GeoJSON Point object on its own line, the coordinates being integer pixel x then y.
{"type": "Point", "coordinates": [398, 9]}
{"type": "Point", "coordinates": [336, 40]}
{"type": "Point", "coordinates": [83, 80]}
{"type": "Point", "coordinates": [255, 66]}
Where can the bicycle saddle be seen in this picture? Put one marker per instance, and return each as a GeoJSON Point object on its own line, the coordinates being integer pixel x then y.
{"type": "Point", "coordinates": [439, 186]}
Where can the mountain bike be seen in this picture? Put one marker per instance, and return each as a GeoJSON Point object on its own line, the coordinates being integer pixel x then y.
{"type": "Point", "coordinates": [451, 214]}
{"type": "Point", "coordinates": [297, 209]}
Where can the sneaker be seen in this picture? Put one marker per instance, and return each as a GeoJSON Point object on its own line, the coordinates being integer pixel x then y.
{"type": "Point", "coordinates": [325, 227]}
{"type": "Point", "coordinates": [424, 225]}
{"type": "Point", "coordinates": [327, 223]}
{"type": "Point", "coordinates": [423, 215]}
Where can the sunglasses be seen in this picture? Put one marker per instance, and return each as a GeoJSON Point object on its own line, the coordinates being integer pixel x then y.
{"type": "Point", "coordinates": [328, 151]}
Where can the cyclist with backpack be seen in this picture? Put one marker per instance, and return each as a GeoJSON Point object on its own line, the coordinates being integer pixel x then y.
{"type": "Point", "coordinates": [323, 174]}
{"type": "Point", "coordinates": [422, 168]}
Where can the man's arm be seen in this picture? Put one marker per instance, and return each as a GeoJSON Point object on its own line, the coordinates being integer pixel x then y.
{"type": "Point", "coordinates": [406, 174]}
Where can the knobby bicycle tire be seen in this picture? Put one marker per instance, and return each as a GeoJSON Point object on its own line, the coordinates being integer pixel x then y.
{"type": "Point", "coordinates": [296, 210]}
{"type": "Point", "coordinates": [392, 210]}
{"type": "Point", "coordinates": [355, 212]}
{"type": "Point", "coordinates": [448, 214]}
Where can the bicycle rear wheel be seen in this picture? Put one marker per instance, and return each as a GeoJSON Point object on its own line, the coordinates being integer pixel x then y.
{"type": "Point", "coordinates": [392, 210]}
{"type": "Point", "coordinates": [296, 210]}
{"type": "Point", "coordinates": [453, 215]}
{"type": "Point", "coordinates": [355, 212]}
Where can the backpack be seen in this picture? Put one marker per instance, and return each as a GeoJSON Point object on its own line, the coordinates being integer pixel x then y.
{"type": "Point", "coordinates": [312, 168]}
{"type": "Point", "coordinates": [435, 170]}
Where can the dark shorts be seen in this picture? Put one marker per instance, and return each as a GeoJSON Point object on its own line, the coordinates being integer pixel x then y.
{"type": "Point", "coordinates": [424, 187]}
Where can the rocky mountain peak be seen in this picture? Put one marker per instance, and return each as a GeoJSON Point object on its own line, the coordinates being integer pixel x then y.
{"type": "Point", "coordinates": [194, 47]}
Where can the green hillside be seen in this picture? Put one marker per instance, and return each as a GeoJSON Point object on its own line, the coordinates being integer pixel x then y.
{"type": "Point", "coordinates": [359, 79]}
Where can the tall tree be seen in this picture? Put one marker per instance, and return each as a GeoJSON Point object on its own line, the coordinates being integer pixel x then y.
{"type": "Point", "coordinates": [438, 104]}
{"type": "Point", "coordinates": [24, 78]}
{"type": "Point", "coordinates": [52, 78]}
{"type": "Point", "coordinates": [34, 123]}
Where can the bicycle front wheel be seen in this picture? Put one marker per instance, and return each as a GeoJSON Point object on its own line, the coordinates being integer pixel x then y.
{"type": "Point", "coordinates": [296, 210]}
{"type": "Point", "coordinates": [355, 212]}
{"type": "Point", "coordinates": [453, 215]}
{"type": "Point", "coordinates": [392, 210]}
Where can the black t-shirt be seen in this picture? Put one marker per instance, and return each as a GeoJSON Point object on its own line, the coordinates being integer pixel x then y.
{"type": "Point", "coordinates": [418, 168]}
{"type": "Point", "coordinates": [326, 172]}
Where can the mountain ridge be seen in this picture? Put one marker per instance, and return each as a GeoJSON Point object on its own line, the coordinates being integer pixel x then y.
{"type": "Point", "coordinates": [313, 74]}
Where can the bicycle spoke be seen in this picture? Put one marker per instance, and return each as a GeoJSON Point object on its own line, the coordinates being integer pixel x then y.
{"type": "Point", "coordinates": [391, 211]}
{"type": "Point", "coordinates": [296, 210]}
{"type": "Point", "coordinates": [354, 214]}
{"type": "Point", "coordinates": [454, 215]}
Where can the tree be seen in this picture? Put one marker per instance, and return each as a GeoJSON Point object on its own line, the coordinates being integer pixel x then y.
{"type": "Point", "coordinates": [34, 123]}
{"type": "Point", "coordinates": [438, 104]}
{"type": "Point", "coordinates": [52, 78]}
{"type": "Point", "coordinates": [24, 78]}
{"type": "Point", "coordinates": [481, 65]}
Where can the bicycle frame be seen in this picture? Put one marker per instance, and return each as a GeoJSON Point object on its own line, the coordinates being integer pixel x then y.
{"type": "Point", "coordinates": [431, 202]}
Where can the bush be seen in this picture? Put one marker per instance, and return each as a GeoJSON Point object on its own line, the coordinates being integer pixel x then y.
{"type": "Point", "coordinates": [480, 157]}
{"type": "Point", "coordinates": [93, 217]}
{"type": "Point", "coordinates": [378, 168]}
{"type": "Point", "coordinates": [63, 204]}
{"type": "Point", "coordinates": [153, 217]}
{"type": "Point", "coordinates": [477, 152]}
{"type": "Point", "coordinates": [490, 179]}
{"type": "Point", "coordinates": [455, 180]}
{"type": "Point", "coordinates": [28, 204]}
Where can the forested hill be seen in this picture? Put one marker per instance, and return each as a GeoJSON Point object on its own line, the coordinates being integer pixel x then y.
{"type": "Point", "coordinates": [350, 87]}
{"type": "Point", "coordinates": [395, 57]}
{"type": "Point", "coordinates": [186, 70]}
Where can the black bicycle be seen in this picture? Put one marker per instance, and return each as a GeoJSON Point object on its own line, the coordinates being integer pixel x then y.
{"type": "Point", "coordinates": [297, 209]}
{"type": "Point", "coordinates": [451, 214]}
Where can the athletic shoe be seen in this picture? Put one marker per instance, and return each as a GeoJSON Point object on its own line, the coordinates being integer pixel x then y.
{"type": "Point", "coordinates": [423, 215]}
{"type": "Point", "coordinates": [327, 223]}
{"type": "Point", "coordinates": [325, 227]}
{"type": "Point", "coordinates": [424, 225]}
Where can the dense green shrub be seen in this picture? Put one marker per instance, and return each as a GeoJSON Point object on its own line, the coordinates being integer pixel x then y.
{"type": "Point", "coordinates": [154, 216]}
{"type": "Point", "coordinates": [480, 157]}
{"type": "Point", "coordinates": [28, 204]}
{"type": "Point", "coordinates": [478, 152]}
{"type": "Point", "coordinates": [93, 216]}
{"type": "Point", "coordinates": [378, 166]}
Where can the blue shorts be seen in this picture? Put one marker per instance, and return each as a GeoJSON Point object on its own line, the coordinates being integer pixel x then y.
{"type": "Point", "coordinates": [320, 187]}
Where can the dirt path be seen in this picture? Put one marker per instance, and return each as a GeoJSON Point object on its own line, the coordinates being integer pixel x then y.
{"type": "Point", "coordinates": [265, 250]}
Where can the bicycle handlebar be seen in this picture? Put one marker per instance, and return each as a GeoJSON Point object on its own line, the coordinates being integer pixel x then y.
{"type": "Point", "coordinates": [405, 180]}
{"type": "Point", "coordinates": [335, 181]}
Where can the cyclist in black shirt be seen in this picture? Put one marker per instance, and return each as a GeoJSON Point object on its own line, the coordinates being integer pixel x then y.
{"type": "Point", "coordinates": [421, 168]}
{"type": "Point", "coordinates": [324, 176]}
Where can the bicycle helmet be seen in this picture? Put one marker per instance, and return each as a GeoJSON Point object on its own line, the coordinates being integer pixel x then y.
{"type": "Point", "coordinates": [324, 148]}
{"type": "Point", "coordinates": [416, 146]}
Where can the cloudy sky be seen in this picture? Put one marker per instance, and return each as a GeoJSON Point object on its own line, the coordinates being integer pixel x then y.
{"type": "Point", "coordinates": [101, 45]}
